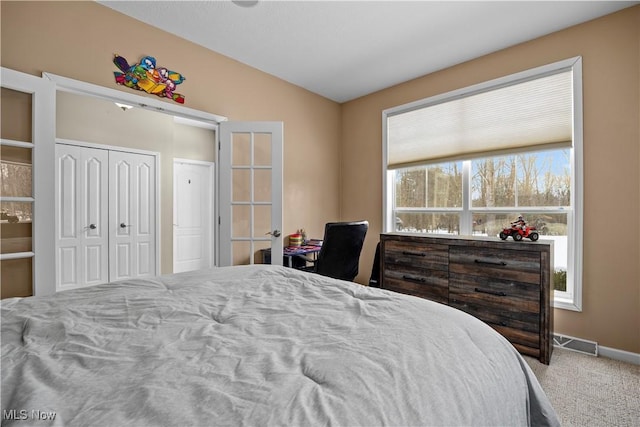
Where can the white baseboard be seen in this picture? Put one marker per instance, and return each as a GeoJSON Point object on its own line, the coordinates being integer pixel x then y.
{"type": "Point", "coordinates": [623, 356]}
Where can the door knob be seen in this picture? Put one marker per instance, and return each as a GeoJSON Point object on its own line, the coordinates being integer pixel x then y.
{"type": "Point", "coordinates": [91, 226]}
{"type": "Point", "coordinates": [274, 233]}
{"type": "Point", "coordinates": [123, 225]}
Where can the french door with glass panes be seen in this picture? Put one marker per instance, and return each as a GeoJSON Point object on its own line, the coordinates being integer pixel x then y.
{"type": "Point", "coordinates": [250, 215]}
{"type": "Point", "coordinates": [26, 190]}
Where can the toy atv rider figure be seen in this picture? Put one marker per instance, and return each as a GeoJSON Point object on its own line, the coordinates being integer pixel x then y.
{"type": "Point", "coordinates": [519, 223]}
{"type": "Point", "coordinates": [520, 230]}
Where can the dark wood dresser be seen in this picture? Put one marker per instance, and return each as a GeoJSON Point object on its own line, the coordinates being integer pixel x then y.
{"type": "Point", "coordinates": [506, 284]}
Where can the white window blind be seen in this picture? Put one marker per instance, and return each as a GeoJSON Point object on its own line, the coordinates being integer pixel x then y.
{"type": "Point", "coordinates": [532, 113]}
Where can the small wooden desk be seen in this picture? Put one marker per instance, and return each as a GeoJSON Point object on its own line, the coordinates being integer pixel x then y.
{"type": "Point", "coordinates": [289, 254]}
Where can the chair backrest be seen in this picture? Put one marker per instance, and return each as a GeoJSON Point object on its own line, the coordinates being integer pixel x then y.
{"type": "Point", "coordinates": [374, 280]}
{"type": "Point", "coordinates": [340, 253]}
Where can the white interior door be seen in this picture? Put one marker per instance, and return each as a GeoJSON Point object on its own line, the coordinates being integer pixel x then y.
{"type": "Point", "coordinates": [82, 238]}
{"type": "Point", "coordinates": [250, 177]}
{"type": "Point", "coordinates": [132, 215]}
{"type": "Point", "coordinates": [193, 195]}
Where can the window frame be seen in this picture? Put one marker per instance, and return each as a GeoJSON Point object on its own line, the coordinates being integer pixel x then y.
{"type": "Point", "coordinates": [572, 298]}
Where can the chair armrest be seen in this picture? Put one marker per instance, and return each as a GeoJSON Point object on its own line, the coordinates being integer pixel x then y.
{"type": "Point", "coordinates": [306, 258]}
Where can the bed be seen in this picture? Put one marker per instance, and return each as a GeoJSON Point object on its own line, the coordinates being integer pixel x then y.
{"type": "Point", "coordinates": [257, 346]}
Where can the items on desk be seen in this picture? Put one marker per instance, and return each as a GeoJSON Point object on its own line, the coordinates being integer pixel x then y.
{"type": "Point", "coordinates": [291, 254]}
{"type": "Point", "coordinates": [300, 250]}
{"type": "Point", "coordinates": [295, 239]}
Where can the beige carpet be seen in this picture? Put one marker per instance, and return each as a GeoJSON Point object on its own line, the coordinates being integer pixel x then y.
{"type": "Point", "coordinates": [590, 391]}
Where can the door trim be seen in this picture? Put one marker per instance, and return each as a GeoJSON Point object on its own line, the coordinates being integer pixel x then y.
{"type": "Point", "coordinates": [212, 208]}
{"type": "Point", "coordinates": [66, 84]}
{"type": "Point", "coordinates": [43, 131]}
{"type": "Point", "coordinates": [156, 157]}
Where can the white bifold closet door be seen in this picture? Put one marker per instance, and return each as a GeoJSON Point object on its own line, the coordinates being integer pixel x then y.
{"type": "Point", "coordinates": [82, 228]}
{"type": "Point", "coordinates": [132, 215]}
{"type": "Point", "coordinates": [105, 205]}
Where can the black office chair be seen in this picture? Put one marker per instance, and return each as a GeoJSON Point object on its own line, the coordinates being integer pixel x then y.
{"type": "Point", "coordinates": [340, 253]}
{"type": "Point", "coordinates": [374, 280]}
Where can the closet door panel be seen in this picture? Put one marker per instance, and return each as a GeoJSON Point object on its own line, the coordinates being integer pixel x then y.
{"type": "Point", "coordinates": [96, 217]}
{"type": "Point", "coordinates": [144, 199]}
{"type": "Point", "coordinates": [132, 206]}
{"type": "Point", "coordinates": [122, 258]}
{"type": "Point", "coordinates": [145, 232]}
{"type": "Point", "coordinates": [81, 209]}
{"type": "Point", "coordinates": [68, 207]}
{"type": "Point", "coordinates": [120, 214]}
{"type": "Point", "coordinates": [67, 239]}
{"type": "Point", "coordinates": [68, 267]}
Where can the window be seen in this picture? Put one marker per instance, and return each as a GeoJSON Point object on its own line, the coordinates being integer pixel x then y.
{"type": "Point", "coordinates": [471, 161]}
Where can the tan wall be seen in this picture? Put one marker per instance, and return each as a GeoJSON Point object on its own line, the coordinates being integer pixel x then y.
{"type": "Point", "coordinates": [610, 48]}
{"type": "Point", "coordinates": [78, 40]}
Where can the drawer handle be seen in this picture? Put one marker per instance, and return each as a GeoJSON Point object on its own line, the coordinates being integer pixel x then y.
{"type": "Point", "coordinates": [501, 263]}
{"type": "Point", "coordinates": [490, 292]}
{"type": "Point", "coordinates": [414, 279]}
{"type": "Point", "coordinates": [410, 253]}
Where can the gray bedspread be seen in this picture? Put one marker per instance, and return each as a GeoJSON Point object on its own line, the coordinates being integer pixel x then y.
{"type": "Point", "coordinates": [257, 346]}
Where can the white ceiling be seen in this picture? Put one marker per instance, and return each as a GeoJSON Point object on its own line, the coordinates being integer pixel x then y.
{"type": "Point", "coordinates": [346, 49]}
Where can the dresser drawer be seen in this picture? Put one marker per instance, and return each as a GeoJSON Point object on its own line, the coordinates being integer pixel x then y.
{"type": "Point", "coordinates": [403, 253]}
{"type": "Point", "coordinates": [512, 307]}
{"type": "Point", "coordinates": [525, 342]}
{"type": "Point", "coordinates": [425, 283]}
{"type": "Point", "coordinates": [417, 269]}
{"type": "Point", "coordinates": [518, 265]}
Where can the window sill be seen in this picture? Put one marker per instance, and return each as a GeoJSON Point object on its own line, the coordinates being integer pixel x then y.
{"type": "Point", "coordinates": [566, 304]}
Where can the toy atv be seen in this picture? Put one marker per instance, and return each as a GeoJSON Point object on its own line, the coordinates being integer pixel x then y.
{"type": "Point", "coordinates": [518, 233]}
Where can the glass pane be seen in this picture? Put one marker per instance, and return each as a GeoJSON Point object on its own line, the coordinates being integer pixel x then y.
{"type": "Point", "coordinates": [411, 188]}
{"type": "Point", "coordinates": [241, 149]}
{"type": "Point", "coordinates": [241, 253]}
{"type": "Point", "coordinates": [15, 212]}
{"type": "Point", "coordinates": [262, 149]}
{"type": "Point", "coordinates": [15, 172]}
{"type": "Point", "coordinates": [493, 182]}
{"type": "Point", "coordinates": [549, 227]}
{"type": "Point", "coordinates": [425, 222]}
{"type": "Point", "coordinates": [541, 178]}
{"type": "Point", "coordinates": [544, 178]}
{"type": "Point", "coordinates": [262, 219]}
{"type": "Point", "coordinates": [241, 185]}
{"type": "Point", "coordinates": [17, 277]}
{"type": "Point", "coordinates": [262, 185]}
{"type": "Point", "coordinates": [16, 115]}
{"type": "Point", "coordinates": [241, 215]}
{"type": "Point", "coordinates": [438, 186]}
{"type": "Point", "coordinates": [15, 226]}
